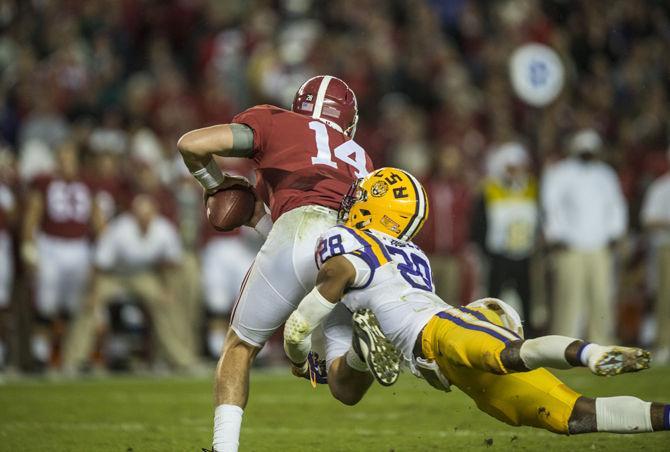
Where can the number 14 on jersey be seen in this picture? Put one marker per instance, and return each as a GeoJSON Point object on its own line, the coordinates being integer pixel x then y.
{"type": "Point", "coordinates": [348, 152]}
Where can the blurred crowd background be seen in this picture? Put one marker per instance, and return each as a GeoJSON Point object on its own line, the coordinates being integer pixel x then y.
{"type": "Point", "coordinates": [107, 261]}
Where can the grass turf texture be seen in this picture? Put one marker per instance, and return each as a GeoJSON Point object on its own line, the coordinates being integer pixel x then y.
{"type": "Point", "coordinates": [284, 414]}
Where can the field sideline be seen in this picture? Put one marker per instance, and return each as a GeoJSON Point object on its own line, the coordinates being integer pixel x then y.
{"type": "Point", "coordinates": [125, 414]}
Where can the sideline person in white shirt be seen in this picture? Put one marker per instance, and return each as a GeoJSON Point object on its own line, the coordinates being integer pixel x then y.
{"type": "Point", "coordinates": [137, 253]}
{"type": "Point", "coordinates": [655, 217]}
{"type": "Point", "coordinates": [585, 214]}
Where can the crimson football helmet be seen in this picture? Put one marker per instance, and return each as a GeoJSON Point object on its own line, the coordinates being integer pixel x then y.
{"type": "Point", "coordinates": [329, 99]}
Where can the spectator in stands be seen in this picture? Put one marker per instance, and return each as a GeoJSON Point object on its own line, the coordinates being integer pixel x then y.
{"type": "Point", "coordinates": [506, 223]}
{"type": "Point", "coordinates": [585, 215]}
{"type": "Point", "coordinates": [60, 219]}
{"type": "Point", "coordinates": [445, 234]}
{"type": "Point", "coordinates": [138, 253]}
{"type": "Point", "coordinates": [656, 220]}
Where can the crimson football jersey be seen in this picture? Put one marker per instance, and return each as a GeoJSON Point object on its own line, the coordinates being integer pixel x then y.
{"type": "Point", "coordinates": [67, 206]}
{"type": "Point", "coordinates": [301, 161]}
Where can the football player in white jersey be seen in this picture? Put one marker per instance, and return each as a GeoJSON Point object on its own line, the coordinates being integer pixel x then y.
{"type": "Point", "coordinates": [370, 265]}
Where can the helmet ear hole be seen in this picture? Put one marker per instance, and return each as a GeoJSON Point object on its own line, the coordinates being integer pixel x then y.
{"type": "Point", "coordinates": [362, 224]}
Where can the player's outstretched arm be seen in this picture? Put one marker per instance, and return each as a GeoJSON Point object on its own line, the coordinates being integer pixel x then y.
{"type": "Point", "coordinates": [334, 277]}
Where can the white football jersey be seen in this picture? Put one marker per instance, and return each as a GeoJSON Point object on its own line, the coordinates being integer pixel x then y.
{"type": "Point", "coordinates": [393, 279]}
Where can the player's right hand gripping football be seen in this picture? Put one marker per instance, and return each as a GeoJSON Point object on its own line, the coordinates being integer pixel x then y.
{"type": "Point", "coordinates": [240, 181]}
{"type": "Point", "coordinates": [228, 182]}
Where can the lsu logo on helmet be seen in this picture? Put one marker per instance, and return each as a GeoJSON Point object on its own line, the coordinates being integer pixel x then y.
{"type": "Point", "coordinates": [388, 200]}
{"type": "Point", "coordinates": [379, 188]}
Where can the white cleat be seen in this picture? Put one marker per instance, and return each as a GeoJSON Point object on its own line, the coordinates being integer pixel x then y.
{"type": "Point", "coordinates": [615, 360]}
{"type": "Point", "coordinates": [374, 348]}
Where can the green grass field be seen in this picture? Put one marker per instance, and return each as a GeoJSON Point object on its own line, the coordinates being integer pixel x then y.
{"type": "Point", "coordinates": [286, 414]}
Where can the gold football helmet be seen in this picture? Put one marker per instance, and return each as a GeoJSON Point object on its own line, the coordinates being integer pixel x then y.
{"type": "Point", "coordinates": [388, 200]}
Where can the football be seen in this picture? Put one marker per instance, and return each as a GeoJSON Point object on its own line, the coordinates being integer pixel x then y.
{"type": "Point", "coordinates": [231, 208]}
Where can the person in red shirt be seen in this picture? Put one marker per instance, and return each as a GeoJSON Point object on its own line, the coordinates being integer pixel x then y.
{"type": "Point", "coordinates": [60, 219]}
{"type": "Point", "coordinates": [445, 235]}
{"type": "Point", "coordinates": [306, 161]}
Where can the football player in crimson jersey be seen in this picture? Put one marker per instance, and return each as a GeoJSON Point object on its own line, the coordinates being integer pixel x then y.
{"type": "Point", "coordinates": [306, 160]}
{"type": "Point", "coordinates": [61, 217]}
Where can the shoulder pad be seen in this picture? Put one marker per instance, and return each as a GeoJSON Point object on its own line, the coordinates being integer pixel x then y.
{"type": "Point", "coordinates": [343, 240]}
{"type": "Point", "coordinates": [336, 241]}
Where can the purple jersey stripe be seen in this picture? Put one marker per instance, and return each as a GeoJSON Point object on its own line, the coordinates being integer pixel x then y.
{"type": "Point", "coordinates": [381, 245]}
{"type": "Point", "coordinates": [366, 247]}
{"type": "Point", "coordinates": [483, 318]}
{"type": "Point", "coordinates": [359, 253]}
{"type": "Point", "coordinates": [460, 322]}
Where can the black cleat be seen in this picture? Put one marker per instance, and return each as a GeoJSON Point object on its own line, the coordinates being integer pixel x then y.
{"type": "Point", "coordinates": [374, 348]}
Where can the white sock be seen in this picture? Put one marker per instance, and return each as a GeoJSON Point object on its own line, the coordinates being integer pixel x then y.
{"type": "Point", "coordinates": [227, 424]}
{"type": "Point", "coordinates": [585, 353]}
{"type": "Point", "coordinates": [355, 362]}
{"type": "Point", "coordinates": [623, 414]}
{"type": "Point", "coordinates": [546, 351]}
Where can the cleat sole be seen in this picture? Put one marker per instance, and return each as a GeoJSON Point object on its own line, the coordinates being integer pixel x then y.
{"type": "Point", "coordinates": [381, 356]}
{"type": "Point", "coordinates": [619, 360]}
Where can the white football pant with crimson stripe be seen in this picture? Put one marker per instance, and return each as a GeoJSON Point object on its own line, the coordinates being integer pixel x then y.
{"type": "Point", "coordinates": [283, 272]}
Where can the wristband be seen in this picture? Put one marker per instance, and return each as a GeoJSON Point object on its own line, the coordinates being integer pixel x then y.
{"type": "Point", "coordinates": [210, 176]}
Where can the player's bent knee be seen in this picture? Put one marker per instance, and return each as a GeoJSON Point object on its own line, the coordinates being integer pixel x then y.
{"type": "Point", "coordinates": [239, 348]}
{"type": "Point", "coordinates": [345, 395]}
{"type": "Point", "coordinates": [510, 356]}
